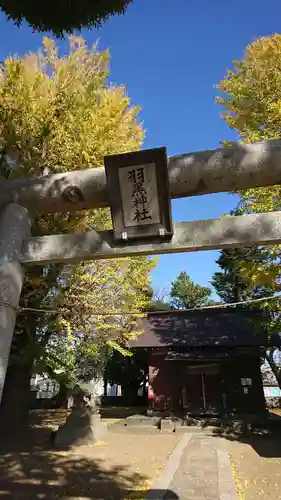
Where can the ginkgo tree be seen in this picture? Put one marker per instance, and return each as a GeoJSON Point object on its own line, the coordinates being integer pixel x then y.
{"type": "Point", "coordinates": [59, 113]}
{"type": "Point", "coordinates": [251, 97]}
{"type": "Point", "coordinates": [91, 326]}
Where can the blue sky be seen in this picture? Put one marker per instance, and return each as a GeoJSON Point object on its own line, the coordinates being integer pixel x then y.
{"type": "Point", "coordinates": [170, 55]}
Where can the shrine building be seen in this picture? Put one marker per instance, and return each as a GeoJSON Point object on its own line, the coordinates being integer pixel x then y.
{"type": "Point", "coordinates": [205, 361]}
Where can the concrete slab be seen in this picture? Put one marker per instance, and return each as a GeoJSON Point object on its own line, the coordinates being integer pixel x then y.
{"type": "Point", "coordinates": [227, 487]}
{"type": "Point", "coordinates": [161, 486]}
{"type": "Point", "coordinates": [198, 469]}
{"type": "Point", "coordinates": [141, 420]}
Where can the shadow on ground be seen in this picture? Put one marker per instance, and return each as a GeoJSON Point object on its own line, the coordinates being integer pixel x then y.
{"type": "Point", "coordinates": [41, 473]}
{"type": "Point", "coordinates": [267, 444]}
{"type": "Point", "coordinates": [32, 468]}
{"type": "Point", "coordinates": [263, 434]}
{"type": "Point", "coordinates": [264, 445]}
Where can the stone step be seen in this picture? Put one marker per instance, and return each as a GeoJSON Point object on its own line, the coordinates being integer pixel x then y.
{"type": "Point", "coordinates": [141, 420]}
{"type": "Point", "coordinates": [134, 429]}
{"type": "Point", "coordinates": [143, 424]}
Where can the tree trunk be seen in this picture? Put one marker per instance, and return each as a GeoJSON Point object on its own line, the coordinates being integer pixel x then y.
{"type": "Point", "coordinates": [274, 367]}
{"type": "Point", "coordinates": [16, 398]}
{"type": "Point", "coordinates": [104, 388]}
{"type": "Point", "coordinates": [62, 396]}
{"type": "Point", "coordinates": [14, 408]}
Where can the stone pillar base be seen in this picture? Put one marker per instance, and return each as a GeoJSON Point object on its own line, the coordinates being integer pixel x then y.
{"type": "Point", "coordinates": [82, 427]}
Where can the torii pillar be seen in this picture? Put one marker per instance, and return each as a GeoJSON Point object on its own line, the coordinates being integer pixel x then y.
{"type": "Point", "coordinates": [14, 229]}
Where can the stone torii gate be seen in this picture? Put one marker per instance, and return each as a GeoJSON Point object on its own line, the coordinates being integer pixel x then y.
{"type": "Point", "coordinates": [227, 169]}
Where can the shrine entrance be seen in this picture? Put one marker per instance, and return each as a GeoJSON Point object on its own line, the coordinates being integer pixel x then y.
{"type": "Point", "coordinates": [149, 230]}
{"type": "Point", "coordinates": [202, 391]}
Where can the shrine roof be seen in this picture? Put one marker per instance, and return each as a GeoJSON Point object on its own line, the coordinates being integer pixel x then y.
{"type": "Point", "coordinates": [206, 327]}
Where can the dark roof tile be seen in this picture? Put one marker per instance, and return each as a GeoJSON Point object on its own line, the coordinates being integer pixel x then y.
{"type": "Point", "coordinates": [206, 327]}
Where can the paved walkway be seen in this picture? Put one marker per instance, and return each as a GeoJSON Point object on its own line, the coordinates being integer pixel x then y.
{"type": "Point", "coordinates": [198, 469]}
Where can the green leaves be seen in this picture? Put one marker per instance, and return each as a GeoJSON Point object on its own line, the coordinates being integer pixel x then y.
{"type": "Point", "coordinates": [251, 92]}
{"type": "Point", "coordinates": [61, 17]}
{"type": "Point", "coordinates": [233, 283]}
{"type": "Point", "coordinates": [186, 294]}
{"type": "Point", "coordinates": [60, 114]}
{"type": "Point", "coordinates": [128, 371]}
{"type": "Point", "coordinates": [251, 96]}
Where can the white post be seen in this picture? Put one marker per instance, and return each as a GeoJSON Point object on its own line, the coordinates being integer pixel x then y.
{"type": "Point", "coordinates": [14, 228]}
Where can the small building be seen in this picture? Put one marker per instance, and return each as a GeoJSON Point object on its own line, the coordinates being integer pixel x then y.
{"type": "Point", "coordinates": [271, 389]}
{"type": "Point", "coordinates": [205, 361]}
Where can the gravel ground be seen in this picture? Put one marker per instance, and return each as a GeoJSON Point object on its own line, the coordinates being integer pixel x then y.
{"type": "Point", "coordinates": [257, 467]}
{"type": "Point", "coordinates": [122, 467]}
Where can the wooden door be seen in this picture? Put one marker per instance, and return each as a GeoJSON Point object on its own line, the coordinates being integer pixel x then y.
{"type": "Point", "coordinates": [202, 389]}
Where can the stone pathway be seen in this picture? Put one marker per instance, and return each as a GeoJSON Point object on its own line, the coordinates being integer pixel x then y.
{"type": "Point", "coordinates": [198, 469]}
